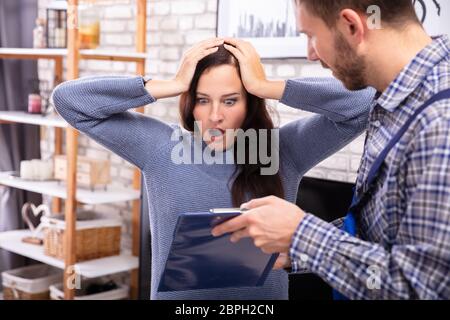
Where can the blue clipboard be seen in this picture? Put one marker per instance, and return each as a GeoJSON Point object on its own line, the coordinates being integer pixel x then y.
{"type": "Point", "coordinates": [198, 260]}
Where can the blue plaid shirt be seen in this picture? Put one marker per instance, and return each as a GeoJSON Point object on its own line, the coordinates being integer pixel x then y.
{"type": "Point", "coordinates": [403, 246]}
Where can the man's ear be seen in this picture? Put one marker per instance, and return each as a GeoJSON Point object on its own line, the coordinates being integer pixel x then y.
{"type": "Point", "coordinates": [352, 25]}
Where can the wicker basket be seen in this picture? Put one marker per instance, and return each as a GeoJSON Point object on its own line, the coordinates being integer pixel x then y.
{"type": "Point", "coordinates": [30, 283]}
{"type": "Point", "coordinates": [120, 293]}
{"type": "Point", "coordinates": [96, 237]}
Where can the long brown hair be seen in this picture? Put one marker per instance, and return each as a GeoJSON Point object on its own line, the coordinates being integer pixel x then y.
{"type": "Point", "coordinates": [248, 182]}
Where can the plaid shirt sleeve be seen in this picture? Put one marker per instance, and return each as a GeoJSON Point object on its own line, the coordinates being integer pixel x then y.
{"type": "Point", "coordinates": [338, 223]}
{"type": "Point", "coordinates": [417, 265]}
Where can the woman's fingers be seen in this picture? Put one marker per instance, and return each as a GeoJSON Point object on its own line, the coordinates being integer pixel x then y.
{"type": "Point", "coordinates": [208, 44]}
{"type": "Point", "coordinates": [252, 71]}
{"type": "Point", "coordinates": [191, 58]}
{"type": "Point", "coordinates": [214, 42]}
{"type": "Point", "coordinates": [238, 46]}
{"type": "Point", "coordinates": [204, 48]}
{"type": "Point", "coordinates": [242, 50]}
{"type": "Point", "coordinates": [201, 50]}
{"type": "Point", "coordinates": [206, 52]}
{"type": "Point", "coordinates": [245, 47]}
{"type": "Point", "coordinates": [235, 52]}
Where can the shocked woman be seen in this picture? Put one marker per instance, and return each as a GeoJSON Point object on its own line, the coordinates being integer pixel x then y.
{"type": "Point", "coordinates": [214, 105]}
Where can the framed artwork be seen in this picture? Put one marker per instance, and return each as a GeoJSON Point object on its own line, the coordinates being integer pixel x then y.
{"type": "Point", "coordinates": [269, 25]}
{"type": "Point", "coordinates": [435, 15]}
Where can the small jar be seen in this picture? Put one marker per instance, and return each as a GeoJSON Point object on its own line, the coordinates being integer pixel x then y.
{"type": "Point", "coordinates": [34, 103]}
{"type": "Point", "coordinates": [89, 22]}
{"type": "Point", "coordinates": [39, 39]}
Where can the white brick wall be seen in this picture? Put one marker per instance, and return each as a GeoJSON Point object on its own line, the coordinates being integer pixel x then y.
{"type": "Point", "coordinates": [160, 8]}
{"type": "Point", "coordinates": [118, 11]}
{"type": "Point", "coordinates": [173, 26]}
{"type": "Point", "coordinates": [186, 7]}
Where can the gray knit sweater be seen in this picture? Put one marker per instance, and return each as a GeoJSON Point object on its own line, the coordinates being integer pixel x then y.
{"type": "Point", "coordinates": [100, 108]}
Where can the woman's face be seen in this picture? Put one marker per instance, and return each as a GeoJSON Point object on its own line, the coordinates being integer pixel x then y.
{"type": "Point", "coordinates": [221, 106]}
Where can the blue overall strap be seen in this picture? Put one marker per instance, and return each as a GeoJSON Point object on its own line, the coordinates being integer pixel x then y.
{"type": "Point", "coordinates": [349, 225]}
{"type": "Point", "coordinates": [379, 161]}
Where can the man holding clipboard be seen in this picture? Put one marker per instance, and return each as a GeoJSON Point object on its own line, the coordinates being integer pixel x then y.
{"type": "Point", "coordinates": [395, 241]}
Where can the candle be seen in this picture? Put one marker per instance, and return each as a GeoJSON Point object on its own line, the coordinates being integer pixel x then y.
{"type": "Point", "coordinates": [26, 170]}
{"type": "Point", "coordinates": [36, 169]}
{"type": "Point", "coordinates": [34, 103]}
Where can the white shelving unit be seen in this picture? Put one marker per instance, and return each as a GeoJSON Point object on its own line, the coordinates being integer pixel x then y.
{"type": "Point", "coordinates": [36, 119]}
{"type": "Point", "coordinates": [29, 53]}
{"type": "Point", "coordinates": [12, 241]}
{"type": "Point", "coordinates": [57, 189]}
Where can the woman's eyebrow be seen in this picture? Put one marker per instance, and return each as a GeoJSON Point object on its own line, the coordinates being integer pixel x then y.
{"type": "Point", "coordinates": [224, 96]}
{"type": "Point", "coordinates": [231, 94]}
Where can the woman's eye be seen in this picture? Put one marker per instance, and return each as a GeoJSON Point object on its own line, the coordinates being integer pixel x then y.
{"type": "Point", "coordinates": [202, 100]}
{"type": "Point", "coordinates": [230, 102]}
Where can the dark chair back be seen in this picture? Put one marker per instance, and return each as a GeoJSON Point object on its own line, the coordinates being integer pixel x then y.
{"type": "Point", "coordinates": [329, 200]}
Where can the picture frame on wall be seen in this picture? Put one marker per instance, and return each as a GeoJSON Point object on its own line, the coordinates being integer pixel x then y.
{"type": "Point", "coordinates": [269, 25]}
{"type": "Point", "coordinates": [435, 15]}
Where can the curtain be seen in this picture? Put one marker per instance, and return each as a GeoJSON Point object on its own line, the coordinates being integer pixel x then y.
{"type": "Point", "coordinates": [17, 142]}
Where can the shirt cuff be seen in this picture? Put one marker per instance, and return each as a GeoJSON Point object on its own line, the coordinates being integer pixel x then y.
{"type": "Point", "coordinates": [314, 244]}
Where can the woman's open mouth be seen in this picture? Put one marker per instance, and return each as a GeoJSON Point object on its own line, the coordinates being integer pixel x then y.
{"type": "Point", "coordinates": [216, 134]}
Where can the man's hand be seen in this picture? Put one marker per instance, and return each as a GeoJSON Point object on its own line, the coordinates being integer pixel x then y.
{"type": "Point", "coordinates": [252, 70]}
{"type": "Point", "coordinates": [270, 221]}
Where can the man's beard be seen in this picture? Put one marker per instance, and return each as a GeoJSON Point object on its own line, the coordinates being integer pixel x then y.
{"type": "Point", "coordinates": [348, 67]}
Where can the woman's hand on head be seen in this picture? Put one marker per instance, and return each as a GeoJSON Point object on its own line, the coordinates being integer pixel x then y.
{"type": "Point", "coordinates": [191, 58]}
{"type": "Point", "coordinates": [252, 71]}
{"type": "Point", "coordinates": [171, 88]}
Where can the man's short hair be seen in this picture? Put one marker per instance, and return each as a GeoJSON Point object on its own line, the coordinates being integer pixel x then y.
{"type": "Point", "coordinates": [393, 12]}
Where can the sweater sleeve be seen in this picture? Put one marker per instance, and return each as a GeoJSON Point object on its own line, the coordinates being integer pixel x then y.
{"type": "Point", "coordinates": [341, 116]}
{"type": "Point", "coordinates": [99, 107]}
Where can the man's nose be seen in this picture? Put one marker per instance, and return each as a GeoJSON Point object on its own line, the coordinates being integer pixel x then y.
{"type": "Point", "coordinates": [312, 54]}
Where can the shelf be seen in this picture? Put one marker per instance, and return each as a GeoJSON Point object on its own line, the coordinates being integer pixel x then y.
{"type": "Point", "coordinates": [37, 119]}
{"type": "Point", "coordinates": [12, 241]}
{"type": "Point", "coordinates": [72, 55]}
{"type": "Point", "coordinates": [58, 189]}
{"type": "Point", "coordinates": [112, 55]}
{"type": "Point", "coordinates": [25, 53]}
{"type": "Point", "coordinates": [32, 53]}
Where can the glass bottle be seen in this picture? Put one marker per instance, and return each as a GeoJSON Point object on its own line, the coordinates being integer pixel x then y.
{"type": "Point", "coordinates": [89, 22]}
